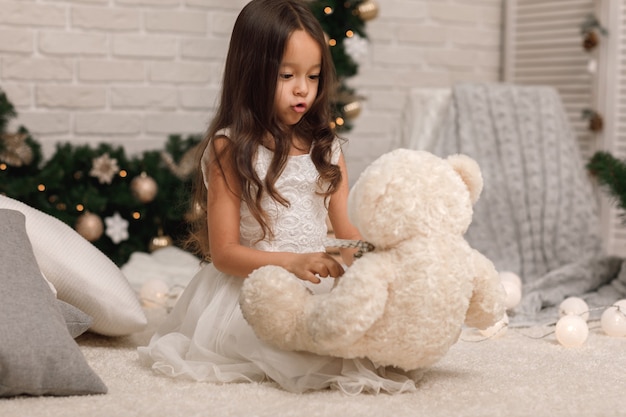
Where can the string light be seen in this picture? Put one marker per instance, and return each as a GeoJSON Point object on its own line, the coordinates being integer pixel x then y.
{"type": "Point", "coordinates": [80, 208]}
{"type": "Point", "coordinates": [156, 293]}
{"type": "Point", "coordinates": [571, 329]}
{"type": "Point", "coordinates": [512, 285]}
{"type": "Point", "coordinates": [574, 305]}
{"type": "Point", "coordinates": [508, 276]}
{"type": "Point", "coordinates": [3, 167]}
{"type": "Point", "coordinates": [153, 293]}
{"type": "Point", "coordinates": [328, 10]}
{"type": "Point", "coordinates": [41, 188]}
{"type": "Point", "coordinates": [136, 215]}
{"type": "Point", "coordinates": [123, 173]}
{"type": "Point", "coordinates": [332, 42]}
{"type": "Point", "coordinates": [513, 294]}
{"type": "Point", "coordinates": [613, 320]}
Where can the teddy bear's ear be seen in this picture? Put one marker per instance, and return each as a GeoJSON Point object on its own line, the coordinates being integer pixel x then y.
{"type": "Point", "coordinates": [470, 173]}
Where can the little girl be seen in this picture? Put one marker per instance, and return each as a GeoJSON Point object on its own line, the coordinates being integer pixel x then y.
{"type": "Point", "coordinates": [271, 173]}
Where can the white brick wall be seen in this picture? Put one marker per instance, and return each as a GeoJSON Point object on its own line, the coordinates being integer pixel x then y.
{"type": "Point", "coordinates": [132, 72]}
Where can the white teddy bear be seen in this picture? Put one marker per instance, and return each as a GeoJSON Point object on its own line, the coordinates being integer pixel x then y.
{"type": "Point", "coordinates": [404, 303]}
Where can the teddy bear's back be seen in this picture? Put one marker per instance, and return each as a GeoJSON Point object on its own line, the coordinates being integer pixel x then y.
{"type": "Point", "coordinates": [426, 305]}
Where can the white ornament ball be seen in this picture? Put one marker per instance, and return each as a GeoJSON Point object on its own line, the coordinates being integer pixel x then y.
{"type": "Point", "coordinates": [571, 330]}
{"type": "Point", "coordinates": [498, 329]}
{"type": "Point", "coordinates": [154, 293]}
{"type": "Point", "coordinates": [508, 276]}
{"type": "Point", "coordinates": [576, 306]}
{"type": "Point", "coordinates": [513, 294]}
{"type": "Point", "coordinates": [613, 320]}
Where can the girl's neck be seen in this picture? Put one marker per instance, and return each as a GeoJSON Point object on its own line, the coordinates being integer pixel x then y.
{"type": "Point", "coordinates": [298, 146]}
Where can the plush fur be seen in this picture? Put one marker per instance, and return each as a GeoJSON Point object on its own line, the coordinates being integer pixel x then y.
{"type": "Point", "coordinates": [403, 304]}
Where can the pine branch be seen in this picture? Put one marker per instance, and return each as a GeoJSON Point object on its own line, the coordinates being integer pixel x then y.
{"type": "Point", "coordinates": [7, 111]}
{"type": "Point", "coordinates": [610, 173]}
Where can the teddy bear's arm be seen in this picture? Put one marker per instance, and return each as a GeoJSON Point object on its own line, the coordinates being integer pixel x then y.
{"type": "Point", "coordinates": [349, 310]}
{"type": "Point", "coordinates": [487, 302]}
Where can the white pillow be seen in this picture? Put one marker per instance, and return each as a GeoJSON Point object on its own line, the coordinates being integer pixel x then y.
{"type": "Point", "coordinates": [82, 275]}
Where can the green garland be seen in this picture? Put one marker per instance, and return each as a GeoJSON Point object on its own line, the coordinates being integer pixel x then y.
{"type": "Point", "coordinates": [72, 185]}
{"type": "Point", "coordinates": [610, 173]}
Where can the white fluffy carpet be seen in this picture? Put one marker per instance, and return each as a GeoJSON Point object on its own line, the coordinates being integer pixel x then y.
{"type": "Point", "coordinates": [514, 374]}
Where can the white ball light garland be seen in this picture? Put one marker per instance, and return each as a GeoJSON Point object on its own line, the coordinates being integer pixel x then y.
{"type": "Point", "coordinates": [512, 285]}
{"type": "Point", "coordinates": [613, 320]}
{"type": "Point", "coordinates": [154, 293]}
{"type": "Point", "coordinates": [513, 294]}
{"type": "Point", "coordinates": [574, 305]}
{"type": "Point", "coordinates": [508, 276]}
{"type": "Point", "coordinates": [571, 330]}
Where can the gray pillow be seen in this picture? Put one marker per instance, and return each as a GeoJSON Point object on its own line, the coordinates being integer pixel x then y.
{"type": "Point", "coordinates": [38, 356]}
{"type": "Point", "coordinates": [76, 321]}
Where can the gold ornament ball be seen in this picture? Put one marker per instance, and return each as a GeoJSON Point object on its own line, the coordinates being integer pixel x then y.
{"type": "Point", "coordinates": [352, 110]}
{"type": "Point", "coordinates": [144, 188]}
{"type": "Point", "coordinates": [159, 242]}
{"type": "Point", "coordinates": [194, 213]}
{"type": "Point", "coordinates": [89, 226]}
{"type": "Point", "coordinates": [367, 10]}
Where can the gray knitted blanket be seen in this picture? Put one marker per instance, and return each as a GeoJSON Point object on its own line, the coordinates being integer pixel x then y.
{"type": "Point", "coordinates": [537, 215]}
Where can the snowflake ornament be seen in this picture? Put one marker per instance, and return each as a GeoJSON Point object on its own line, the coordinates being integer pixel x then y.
{"type": "Point", "coordinates": [356, 46]}
{"type": "Point", "coordinates": [104, 168]}
{"type": "Point", "coordinates": [117, 228]}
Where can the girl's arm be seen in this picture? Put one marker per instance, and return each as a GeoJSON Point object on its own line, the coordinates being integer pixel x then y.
{"type": "Point", "coordinates": [227, 254]}
{"type": "Point", "coordinates": [338, 214]}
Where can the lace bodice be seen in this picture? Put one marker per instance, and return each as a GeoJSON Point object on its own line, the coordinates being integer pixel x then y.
{"type": "Point", "coordinates": [300, 227]}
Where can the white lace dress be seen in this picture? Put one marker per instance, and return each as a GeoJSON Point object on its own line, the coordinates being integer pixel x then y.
{"type": "Point", "coordinates": [206, 338]}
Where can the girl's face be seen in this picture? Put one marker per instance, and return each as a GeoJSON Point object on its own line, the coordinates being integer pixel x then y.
{"type": "Point", "coordinates": [298, 78]}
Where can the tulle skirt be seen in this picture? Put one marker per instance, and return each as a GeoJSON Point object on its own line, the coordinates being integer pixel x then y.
{"type": "Point", "coordinates": [206, 338]}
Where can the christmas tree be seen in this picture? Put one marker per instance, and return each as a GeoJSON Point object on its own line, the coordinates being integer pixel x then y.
{"type": "Point", "coordinates": [123, 204]}
{"type": "Point", "coordinates": [118, 203]}
{"type": "Point", "coordinates": [344, 24]}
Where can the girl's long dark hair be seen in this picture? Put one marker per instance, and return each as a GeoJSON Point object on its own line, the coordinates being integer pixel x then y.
{"type": "Point", "coordinates": [246, 107]}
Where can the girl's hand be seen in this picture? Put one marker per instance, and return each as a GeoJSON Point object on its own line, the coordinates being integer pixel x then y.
{"type": "Point", "coordinates": [308, 266]}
